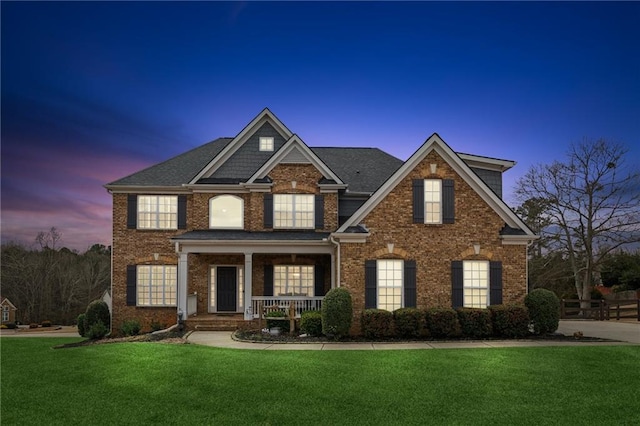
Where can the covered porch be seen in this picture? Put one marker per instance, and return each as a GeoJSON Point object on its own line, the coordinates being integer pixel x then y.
{"type": "Point", "coordinates": [237, 274]}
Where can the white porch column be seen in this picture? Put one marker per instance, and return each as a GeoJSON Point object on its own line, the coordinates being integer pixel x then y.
{"type": "Point", "coordinates": [183, 270]}
{"type": "Point", "coordinates": [333, 270]}
{"type": "Point", "coordinates": [248, 278]}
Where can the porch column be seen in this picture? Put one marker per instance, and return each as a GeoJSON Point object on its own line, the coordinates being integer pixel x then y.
{"type": "Point", "coordinates": [248, 278]}
{"type": "Point", "coordinates": [183, 267]}
{"type": "Point", "coordinates": [333, 270]}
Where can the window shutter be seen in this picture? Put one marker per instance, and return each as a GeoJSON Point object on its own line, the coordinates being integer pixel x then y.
{"type": "Point", "coordinates": [268, 280]}
{"type": "Point", "coordinates": [182, 212]}
{"type": "Point", "coordinates": [132, 211]}
{"type": "Point", "coordinates": [318, 280]}
{"type": "Point", "coordinates": [457, 286]}
{"type": "Point", "coordinates": [410, 284]}
{"type": "Point", "coordinates": [268, 210]}
{"type": "Point", "coordinates": [319, 211]}
{"type": "Point", "coordinates": [370, 284]}
{"type": "Point", "coordinates": [448, 201]}
{"type": "Point", "coordinates": [495, 283]}
{"type": "Point", "coordinates": [418, 201]}
{"type": "Point", "coordinates": [132, 277]}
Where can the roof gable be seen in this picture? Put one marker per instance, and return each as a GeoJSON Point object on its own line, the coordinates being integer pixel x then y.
{"type": "Point", "coordinates": [7, 302]}
{"type": "Point", "coordinates": [258, 123]}
{"type": "Point", "coordinates": [435, 143]}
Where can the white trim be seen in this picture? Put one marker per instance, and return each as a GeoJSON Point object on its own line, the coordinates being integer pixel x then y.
{"type": "Point", "coordinates": [242, 211]}
{"type": "Point", "coordinates": [147, 190]}
{"type": "Point", "coordinates": [486, 163]}
{"type": "Point", "coordinates": [351, 237]}
{"type": "Point", "coordinates": [435, 143]}
{"type": "Point", "coordinates": [265, 116]}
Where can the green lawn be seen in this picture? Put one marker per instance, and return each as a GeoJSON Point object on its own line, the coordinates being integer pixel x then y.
{"type": "Point", "coordinates": [152, 383]}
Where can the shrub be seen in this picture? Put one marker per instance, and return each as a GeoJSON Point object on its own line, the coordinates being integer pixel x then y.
{"type": "Point", "coordinates": [409, 322]}
{"type": "Point", "coordinates": [544, 310]}
{"type": "Point", "coordinates": [33, 325]}
{"type": "Point", "coordinates": [377, 323]}
{"type": "Point", "coordinates": [46, 323]}
{"type": "Point", "coordinates": [282, 323]}
{"type": "Point", "coordinates": [311, 323]}
{"type": "Point", "coordinates": [156, 326]}
{"type": "Point", "coordinates": [511, 321]}
{"type": "Point", "coordinates": [475, 322]}
{"type": "Point", "coordinates": [81, 327]}
{"type": "Point", "coordinates": [442, 322]}
{"type": "Point", "coordinates": [97, 313]}
{"type": "Point", "coordinates": [131, 328]}
{"type": "Point", "coordinates": [337, 312]}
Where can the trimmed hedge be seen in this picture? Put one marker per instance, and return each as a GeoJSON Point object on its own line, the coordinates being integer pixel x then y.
{"type": "Point", "coordinates": [311, 323]}
{"type": "Point", "coordinates": [409, 322]}
{"type": "Point", "coordinates": [544, 310]}
{"type": "Point", "coordinates": [131, 328]}
{"type": "Point", "coordinates": [377, 324]}
{"type": "Point", "coordinates": [337, 312]}
{"type": "Point", "coordinates": [475, 322]}
{"type": "Point", "coordinates": [97, 320]}
{"type": "Point", "coordinates": [511, 321]}
{"type": "Point", "coordinates": [442, 322]}
{"type": "Point", "coordinates": [81, 329]}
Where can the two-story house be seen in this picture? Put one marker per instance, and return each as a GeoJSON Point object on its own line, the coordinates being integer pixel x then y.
{"type": "Point", "coordinates": [219, 232]}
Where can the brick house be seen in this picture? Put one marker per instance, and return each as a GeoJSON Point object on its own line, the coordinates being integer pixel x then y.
{"type": "Point", "coordinates": [217, 233]}
{"type": "Point", "coordinates": [8, 311]}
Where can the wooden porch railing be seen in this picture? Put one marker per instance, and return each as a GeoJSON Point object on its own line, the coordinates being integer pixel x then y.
{"type": "Point", "coordinates": [600, 309]}
{"type": "Point", "coordinates": [300, 303]}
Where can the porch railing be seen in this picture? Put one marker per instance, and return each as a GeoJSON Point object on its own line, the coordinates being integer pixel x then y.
{"type": "Point", "coordinates": [192, 304]}
{"type": "Point", "coordinates": [301, 303]}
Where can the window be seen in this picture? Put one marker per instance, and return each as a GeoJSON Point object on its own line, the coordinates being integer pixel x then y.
{"type": "Point", "coordinates": [293, 280]}
{"type": "Point", "coordinates": [390, 284]}
{"type": "Point", "coordinates": [213, 274]}
{"type": "Point", "coordinates": [266, 143]}
{"type": "Point", "coordinates": [432, 201]}
{"type": "Point", "coordinates": [157, 212]}
{"type": "Point", "coordinates": [5, 313]}
{"type": "Point", "coordinates": [226, 212]}
{"type": "Point", "coordinates": [157, 285]}
{"type": "Point", "coordinates": [476, 284]}
{"type": "Point", "coordinates": [293, 211]}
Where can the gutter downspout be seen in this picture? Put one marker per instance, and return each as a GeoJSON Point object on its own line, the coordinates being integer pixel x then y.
{"type": "Point", "coordinates": [337, 244]}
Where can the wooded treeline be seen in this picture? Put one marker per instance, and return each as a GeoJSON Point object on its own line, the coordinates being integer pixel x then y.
{"type": "Point", "coordinates": [53, 284]}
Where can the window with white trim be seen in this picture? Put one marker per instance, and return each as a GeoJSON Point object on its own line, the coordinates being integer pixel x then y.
{"type": "Point", "coordinates": [432, 201]}
{"type": "Point", "coordinates": [266, 143]}
{"type": "Point", "coordinates": [475, 283]}
{"type": "Point", "coordinates": [390, 284]}
{"type": "Point", "coordinates": [293, 211]}
{"type": "Point", "coordinates": [157, 285]}
{"type": "Point", "coordinates": [157, 212]}
{"type": "Point", "coordinates": [293, 280]}
{"type": "Point", "coordinates": [226, 212]}
{"type": "Point", "coordinates": [5, 313]}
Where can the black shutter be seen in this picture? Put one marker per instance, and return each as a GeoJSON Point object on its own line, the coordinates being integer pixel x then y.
{"type": "Point", "coordinates": [410, 284]}
{"type": "Point", "coordinates": [132, 211]}
{"type": "Point", "coordinates": [318, 280]}
{"type": "Point", "coordinates": [319, 210]}
{"type": "Point", "coordinates": [457, 290]}
{"type": "Point", "coordinates": [448, 201]}
{"type": "Point", "coordinates": [370, 284]}
{"type": "Point", "coordinates": [268, 210]}
{"type": "Point", "coordinates": [268, 280]}
{"type": "Point", "coordinates": [495, 283]}
{"type": "Point", "coordinates": [132, 278]}
{"type": "Point", "coordinates": [182, 212]}
{"type": "Point", "coordinates": [418, 201]}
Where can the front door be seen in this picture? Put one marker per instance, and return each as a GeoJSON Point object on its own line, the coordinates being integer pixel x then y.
{"type": "Point", "coordinates": [226, 288]}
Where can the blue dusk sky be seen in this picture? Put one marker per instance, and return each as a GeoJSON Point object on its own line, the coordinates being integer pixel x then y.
{"type": "Point", "coordinates": [94, 91]}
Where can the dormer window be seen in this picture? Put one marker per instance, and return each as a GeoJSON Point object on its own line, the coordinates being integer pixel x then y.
{"type": "Point", "coordinates": [266, 143]}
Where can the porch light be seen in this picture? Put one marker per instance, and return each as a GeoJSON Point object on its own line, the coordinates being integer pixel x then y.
{"type": "Point", "coordinates": [476, 248]}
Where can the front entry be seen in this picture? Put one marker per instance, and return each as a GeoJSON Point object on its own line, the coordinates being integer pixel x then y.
{"type": "Point", "coordinates": [226, 288]}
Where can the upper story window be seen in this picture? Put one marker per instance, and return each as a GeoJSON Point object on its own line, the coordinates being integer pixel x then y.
{"type": "Point", "coordinates": [432, 201]}
{"type": "Point", "coordinates": [390, 284]}
{"type": "Point", "coordinates": [293, 211]}
{"type": "Point", "coordinates": [266, 143]}
{"type": "Point", "coordinates": [226, 212]}
{"type": "Point", "coordinates": [475, 284]}
{"type": "Point", "coordinates": [293, 280]}
{"type": "Point", "coordinates": [157, 212]}
{"type": "Point", "coordinates": [157, 285]}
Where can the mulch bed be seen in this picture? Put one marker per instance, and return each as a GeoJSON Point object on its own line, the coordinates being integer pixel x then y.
{"type": "Point", "coordinates": [172, 337]}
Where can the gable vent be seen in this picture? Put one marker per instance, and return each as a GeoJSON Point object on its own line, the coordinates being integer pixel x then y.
{"type": "Point", "coordinates": [295, 157]}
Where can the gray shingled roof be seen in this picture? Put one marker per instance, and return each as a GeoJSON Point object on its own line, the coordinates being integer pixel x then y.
{"type": "Point", "coordinates": [177, 170]}
{"type": "Point", "coordinates": [233, 235]}
{"type": "Point", "coordinates": [364, 169]}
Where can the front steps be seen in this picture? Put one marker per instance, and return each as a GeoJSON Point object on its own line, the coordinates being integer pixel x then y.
{"type": "Point", "coordinates": [215, 322]}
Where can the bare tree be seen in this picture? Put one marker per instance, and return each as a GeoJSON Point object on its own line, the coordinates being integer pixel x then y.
{"type": "Point", "coordinates": [592, 206]}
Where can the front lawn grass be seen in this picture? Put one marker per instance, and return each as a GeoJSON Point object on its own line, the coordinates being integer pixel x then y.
{"type": "Point", "coordinates": [153, 383]}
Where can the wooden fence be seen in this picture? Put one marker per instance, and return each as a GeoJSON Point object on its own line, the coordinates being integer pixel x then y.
{"type": "Point", "coordinates": [600, 309]}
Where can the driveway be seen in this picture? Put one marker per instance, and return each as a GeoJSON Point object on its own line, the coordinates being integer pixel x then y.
{"type": "Point", "coordinates": [623, 331]}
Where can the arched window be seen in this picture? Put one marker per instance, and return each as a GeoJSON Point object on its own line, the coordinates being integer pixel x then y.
{"type": "Point", "coordinates": [226, 212]}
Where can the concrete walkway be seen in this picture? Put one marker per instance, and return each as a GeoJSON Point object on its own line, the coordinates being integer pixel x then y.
{"type": "Point", "coordinates": [627, 333]}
